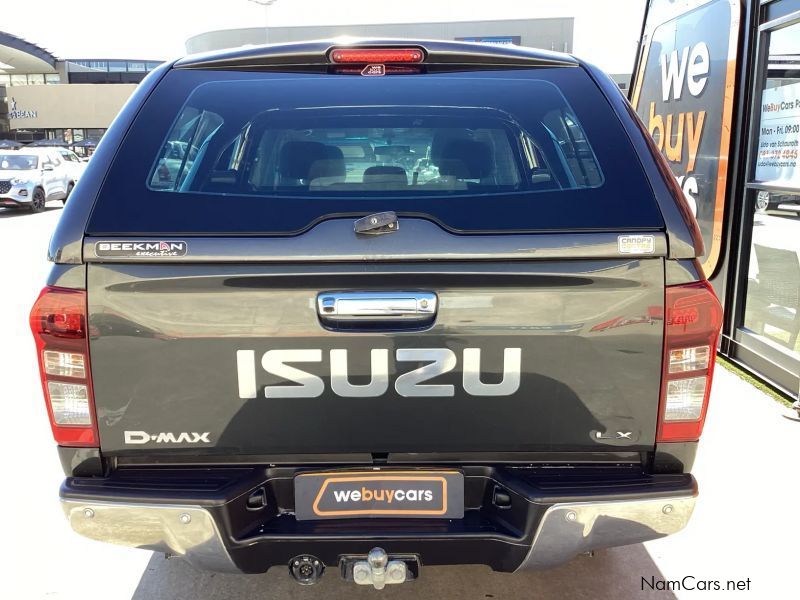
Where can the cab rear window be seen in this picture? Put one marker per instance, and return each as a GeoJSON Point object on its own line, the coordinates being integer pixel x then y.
{"type": "Point", "coordinates": [231, 152]}
{"type": "Point", "coordinates": [424, 149]}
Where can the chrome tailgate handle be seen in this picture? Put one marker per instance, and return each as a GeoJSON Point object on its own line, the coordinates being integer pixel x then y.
{"type": "Point", "coordinates": [371, 306]}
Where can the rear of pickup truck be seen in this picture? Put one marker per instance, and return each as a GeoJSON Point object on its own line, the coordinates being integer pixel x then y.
{"type": "Point", "coordinates": [376, 307]}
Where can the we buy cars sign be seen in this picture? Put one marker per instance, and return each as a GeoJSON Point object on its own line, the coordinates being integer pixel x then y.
{"type": "Point", "coordinates": [684, 94]}
{"type": "Point", "coordinates": [778, 161]}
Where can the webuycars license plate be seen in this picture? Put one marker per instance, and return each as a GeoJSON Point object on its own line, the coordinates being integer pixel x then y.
{"type": "Point", "coordinates": [408, 494]}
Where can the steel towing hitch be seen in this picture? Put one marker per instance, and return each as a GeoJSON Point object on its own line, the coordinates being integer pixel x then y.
{"type": "Point", "coordinates": [379, 569]}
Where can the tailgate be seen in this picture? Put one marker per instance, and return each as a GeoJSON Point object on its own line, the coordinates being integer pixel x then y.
{"type": "Point", "coordinates": [528, 343]}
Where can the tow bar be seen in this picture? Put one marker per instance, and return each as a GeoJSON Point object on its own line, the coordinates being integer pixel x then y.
{"type": "Point", "coordinates": [379, 569]}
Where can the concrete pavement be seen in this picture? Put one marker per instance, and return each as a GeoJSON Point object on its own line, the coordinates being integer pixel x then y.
{"type": "Point", "coordinates": [745, 525]}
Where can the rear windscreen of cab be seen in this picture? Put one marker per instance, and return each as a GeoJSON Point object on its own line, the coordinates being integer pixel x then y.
{"type": "Point", "coordinates": [217, 152]}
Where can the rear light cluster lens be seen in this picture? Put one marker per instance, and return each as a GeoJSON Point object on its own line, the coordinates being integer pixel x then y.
{"type": "Point", "coordinates": [683, 360]}
{"type": "Point", "coordinates": [64, 364]}
{"type": "Point", "coordinates": [692, 324]}
{"type": "Point", "coordinates": [69, 403]}
{"type": "Point", "coordinates": [685, 399]}
{"type": "Point", "coordinates": [376, 55]}
{"type": "Point", "coordinates": [58, 323]}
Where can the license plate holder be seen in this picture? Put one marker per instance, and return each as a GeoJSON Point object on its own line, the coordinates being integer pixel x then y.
{"type": "Point", "coordinates": [435, 494]}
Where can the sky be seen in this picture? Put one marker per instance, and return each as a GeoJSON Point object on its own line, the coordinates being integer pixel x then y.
{"type": "Point", "coordinates": [606, 31]}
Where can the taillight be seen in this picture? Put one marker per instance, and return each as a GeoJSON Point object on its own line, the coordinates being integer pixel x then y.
{"type": "Point", "coordinates": [376, 55]}
{"type": "Point", "coordinates": [693, 318]}
{"type": "Point", "coordinates": [58, 323]}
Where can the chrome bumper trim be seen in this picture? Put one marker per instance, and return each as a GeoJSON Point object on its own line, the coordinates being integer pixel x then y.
{"type": "Point", "coordinates": [186, 531]}
{"type": "Point", "coordinates": [569, 529]}
{"type": "Point", "coordinates": [566, 529]}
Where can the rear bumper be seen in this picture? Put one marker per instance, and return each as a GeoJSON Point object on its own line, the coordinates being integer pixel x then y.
{"type": "Point", "coordinates": [539, 529]}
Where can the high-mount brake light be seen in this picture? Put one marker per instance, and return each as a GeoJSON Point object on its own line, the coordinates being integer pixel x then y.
{"type": "Point", "coordinates": [58, 322]}
{"type": "Point", "coordinates": [693, 318]}
{"type": "Point", "coordinates": [367, 56]}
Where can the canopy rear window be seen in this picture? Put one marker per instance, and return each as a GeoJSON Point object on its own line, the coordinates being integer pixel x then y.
{"type": "Point", "coordinates": [273, 153]}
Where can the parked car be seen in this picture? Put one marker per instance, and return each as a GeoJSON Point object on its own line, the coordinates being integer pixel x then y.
{"type": "Point", "coordinates": [254, 355]}
{"type": "Point", "coordinates": [72, 163]}
{"type": "Point", "coordinates": [766, 201]}
{"type": "Point", "coordinates": [29, 178]}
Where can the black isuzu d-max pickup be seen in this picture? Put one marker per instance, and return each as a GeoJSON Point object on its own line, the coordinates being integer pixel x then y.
{"type": "Point", "coordinates": [373, 306]}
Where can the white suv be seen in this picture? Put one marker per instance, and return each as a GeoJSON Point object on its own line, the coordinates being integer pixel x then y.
{"type": "Point", "coordinates": [29, 178]}
{"type": "Point", "coordinates": [72, 163]}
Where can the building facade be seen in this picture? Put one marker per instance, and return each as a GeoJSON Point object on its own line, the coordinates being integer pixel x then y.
{"type": "Point", "coordinates": [548, 34]}
{"type": "Point", "coordinates": [44, 97]}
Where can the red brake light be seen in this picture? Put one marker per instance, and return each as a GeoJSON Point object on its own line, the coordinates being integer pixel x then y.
{"type": "Point", "coordinates": [691, 328]}
{"type": "Point", "coordinates": [376, 55]}
{"type": "Point", "coordinates": [58, 323]}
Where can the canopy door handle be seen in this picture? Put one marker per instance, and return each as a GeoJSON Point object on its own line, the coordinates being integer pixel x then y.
{"type": "Point", "coordinates": [371, 307]}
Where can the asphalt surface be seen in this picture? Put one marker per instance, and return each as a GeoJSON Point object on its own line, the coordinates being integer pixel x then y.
{"type": "Point", "coordinates": [746, 525]}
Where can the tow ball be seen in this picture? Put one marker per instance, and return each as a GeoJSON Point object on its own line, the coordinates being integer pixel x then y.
{"type": "Point", "coordinates": [379, 569]}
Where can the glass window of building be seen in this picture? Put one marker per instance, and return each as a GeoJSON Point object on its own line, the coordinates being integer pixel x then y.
{"type": "Point", "coordinates": [52, 78]}
{"type": "Point", "coordinates": [17, 79]}
{"type": "Point", "coordinates": [5, 79]}
{"type": "Point", "coordinates": [93, 65]}
{"type": "Point", "coordinates": [152, 65]}
{"type": "Point", "coordinates": [136, 67]}
{"type": "Point", "coordinates": [36, 79]}
{"type": "Point", "coordinates": [772, 303]}
{"type": "Point", "coordinates": [117, 66]}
